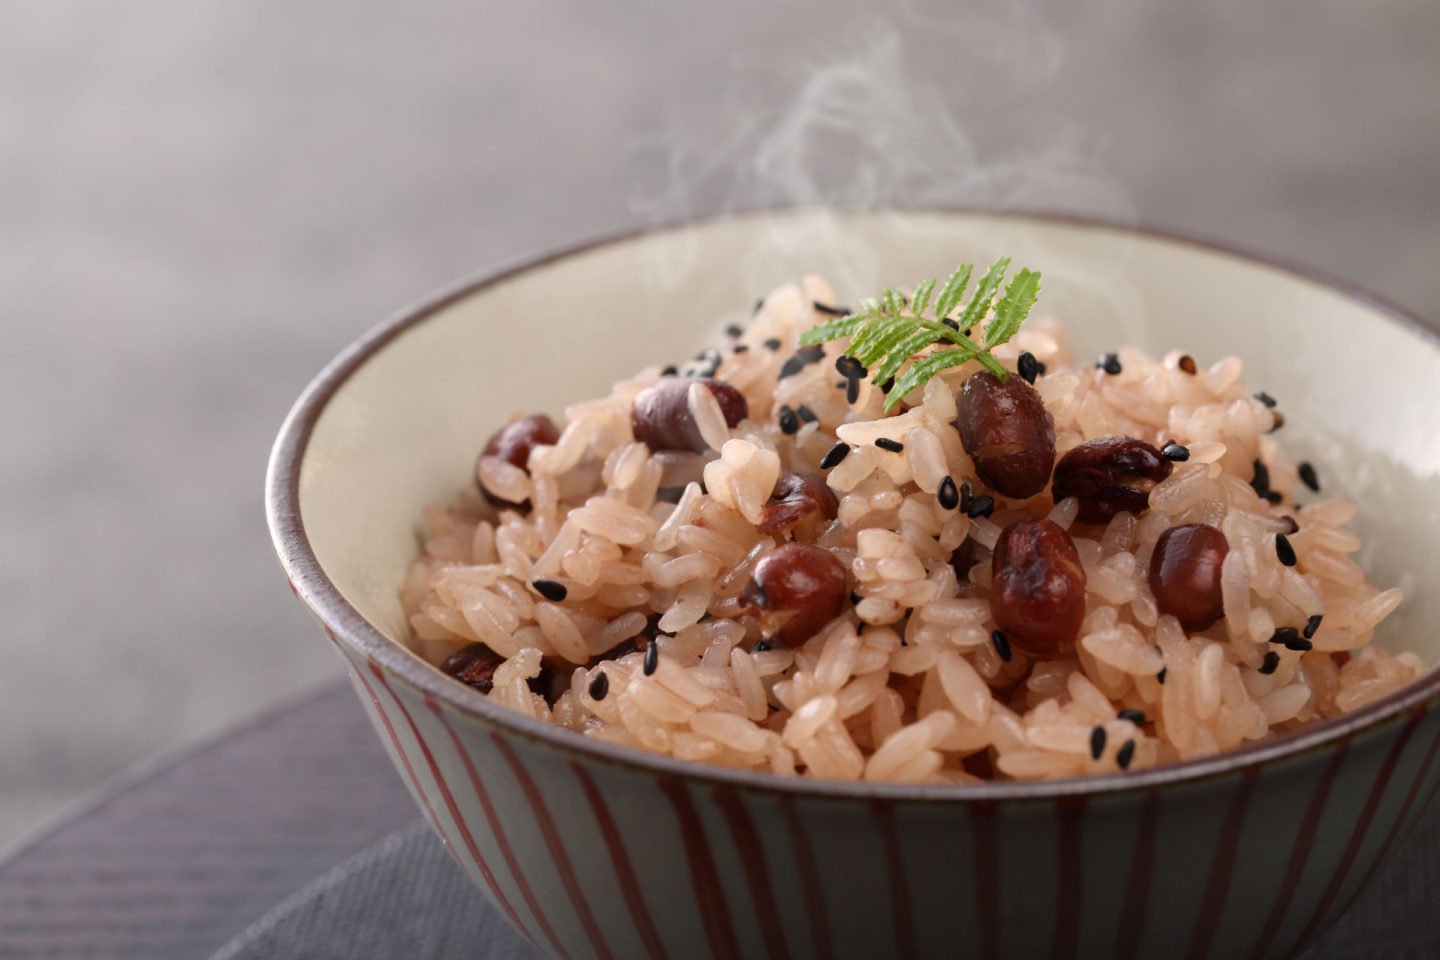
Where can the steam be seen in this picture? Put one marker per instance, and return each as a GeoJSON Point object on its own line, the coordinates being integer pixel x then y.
{"type": "Point", "coordinates": [922, 110]}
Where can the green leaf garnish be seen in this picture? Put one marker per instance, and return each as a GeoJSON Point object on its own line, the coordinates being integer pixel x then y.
{"type": "Point", "coordinates": [885, 333]}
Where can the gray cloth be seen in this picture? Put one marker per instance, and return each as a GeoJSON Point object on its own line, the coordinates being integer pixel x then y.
{"type": "Point", "coordinates": [405, 897]}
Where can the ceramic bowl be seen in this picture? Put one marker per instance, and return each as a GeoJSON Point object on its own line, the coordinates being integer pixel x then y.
{"type": "Point", "coordinates": [599, 851]}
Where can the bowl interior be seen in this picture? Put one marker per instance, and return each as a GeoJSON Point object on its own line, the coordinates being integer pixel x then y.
{"type": "Point", "coordinates": [1358, 388]}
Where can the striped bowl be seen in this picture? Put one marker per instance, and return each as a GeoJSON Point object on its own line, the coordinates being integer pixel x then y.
{"type": "Point", "coordinates": [597, 851]}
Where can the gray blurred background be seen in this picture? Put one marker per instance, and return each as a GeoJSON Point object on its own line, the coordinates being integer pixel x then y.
{"type": "Point", "coordinates": [201, 202]}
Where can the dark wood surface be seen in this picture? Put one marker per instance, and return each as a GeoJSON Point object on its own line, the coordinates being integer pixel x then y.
{"type": "Point", "coordinates": [176, 859]}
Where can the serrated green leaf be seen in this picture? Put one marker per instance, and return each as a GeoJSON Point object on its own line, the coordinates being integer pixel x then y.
{"type": "Point", "coordinates": [872, 343]}
{"type": "Point", "coordinates": [885, 336]}
{"type": "Point", "coordinates": [832, 329]}
{"type": "Point", "coordinates": [979, 304]}
{"type": "Point", "coordinates": [1013, 308]}
{"type": "Point", "coordinates": [953, 290]}
{"type": "Point", "coordinates": [913, 343]}
{"type": "Point", "coordinates": [920, 299]}
{"type": "Point", "coordinates": [921, 371]}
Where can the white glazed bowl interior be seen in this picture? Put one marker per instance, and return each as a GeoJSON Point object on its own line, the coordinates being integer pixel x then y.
{"type": "Point", "coordinates": [1359, 386]}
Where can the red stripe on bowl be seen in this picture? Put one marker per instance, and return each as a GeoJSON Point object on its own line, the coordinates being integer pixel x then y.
{"type": "Point", "coordinates": [1300, 853]}
{"type": "Point", "coordinates": [809, 880]}
{"type": "Point", "coordinates": [1400, 820]}
{"type": "Point", "coordinates": [1134, 911]}
{"type": "Point", "coordinates": [1070, 880]}
{"type": "Point", "coordinates": [620, 860]}
{"type": "Point", "coordinates": [1222, 868]}
{"type": "Point", "coordinates": [757, 873]}
{"type": "Point", "coordinates": [987, 877]}
{"type": "Point", "coordinates": [902, 920]}
{"type": "Point", "coordinates": [556, 845]}
{"type": "Point", "coordinates": [1362, 826]}
{"type": "Point", "coordinates": [703, 875]}
{"type": "Point", "coordinates": [449, 798]}
{"type": "Point", "coordinates": [497, 830]}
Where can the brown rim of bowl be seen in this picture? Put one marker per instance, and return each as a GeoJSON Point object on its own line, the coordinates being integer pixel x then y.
{"type": "Point", "coordinates": [287, 530]}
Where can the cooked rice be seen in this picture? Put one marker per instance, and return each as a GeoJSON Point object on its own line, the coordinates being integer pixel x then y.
{"type": "Point", "coordinates": [908, 684]}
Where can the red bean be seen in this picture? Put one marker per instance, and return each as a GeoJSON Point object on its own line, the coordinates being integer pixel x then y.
{"type": "Point", "coordinates": [797, 497]}
{"type": "Point", "coordinates": [806, 582]}
{"type": "Point", "coordinates": [1185, 574]}
{"type": "Point", "coordinates": [1008, 433]}
{"type": "Point", "coordinates": [1109, 476]}
{"type": "Point", "coordinates": [474, 665]}
{"type": "Point", "coordinates": [661, 415]}
{"type": "Point", "coordinates": [513, 443]}
{"type": "Point", "coordinates": [1037, 592]}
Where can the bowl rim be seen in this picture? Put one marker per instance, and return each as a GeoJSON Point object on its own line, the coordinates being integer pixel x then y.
{"type": "Point", "coordinates": [311, 584]}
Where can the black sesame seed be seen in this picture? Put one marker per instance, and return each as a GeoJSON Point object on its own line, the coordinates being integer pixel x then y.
{"type": "Point", "coordinates": [799, 360]}
{"type": "Point", "coordinates": [1308, 476]}
{"type": "Point", "coordinates": [850, 368]}
{"type": "Point", "coordinates": [734, 330]}
{"type": "Point", "coordinates": [965, 499]}
{"type": "Point", "coordinates": [760, 646]}
{"type": "Point", "coordinates": [830, 311]}
{"type": "Point", "coordinates": [772, 344]}
{"type": "Point", "coordinates": [951, 323]}
{"type": "Point", "coordinates": [1028, 367]}
{"type": "Point", "coordinates": [1270, 663]}
{"type": "Point", "coordinates": [1125, 754]}
{"type": "Point", "coordinates": [740, 348]}
{"type": "Point", "coordinates": [837, 453]}
{"type": "Point", "coordinates": [1160, 677]}
{"type": "Point", "coordinates": [551, 590]}
{"type": "Point", "coordinates": [1274, 496]}
{"type": "Point", "coordinates": [789, 422]}
{"type": "Point", "coordinates": [652, 658]}
{"type": "Point", "coordinates": [1097, 743]}
{"type": "Point", "coordinates": [855, 598]}
{"type": "Point", "coordinates": [1175, 451]}
{"type": "Point", "coordinates": [981, 506]}
{"type": "Point", "coordinates": [1136, 717]}
{"type": "Point", "coordinates": [1300, 645]}
{"type": "Point", "coordinates": [1279, 421]}
{"type": "Point", "coordinates": [885, 443]}
{"type": "Point", "coordinates": [669, 371]}
{"type": "Point", "coordinates": [885, 387]}
{"type": "Point", "coordinates": [806, 414]}
{"type": "Point", "coordinates": [1284, 550]}
{"type": "Point", "coordinates": [852, 391]}
{"type": "Point", "coordinates": [1260, 483]}
{"type": "Point", "coordinates": [1187, 363]}
{"type": "Point", "coordinates": [599, 685]}
{"type": "Point", "coordinates": [947, 495]}
{"type": "Point", "coordinates": [1285, 635]}
{"type": "Point", "coordinates": [1110, 363]}
{"type": "Point", "coordinates": [1312, 625]}
{"type": "Point", "coordinates": [1265, 398]}
{"type": "Point", "coordinates": [1002, 645]}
